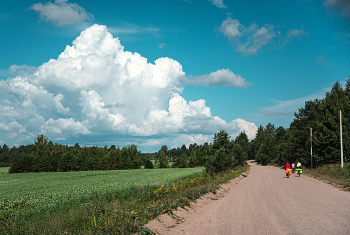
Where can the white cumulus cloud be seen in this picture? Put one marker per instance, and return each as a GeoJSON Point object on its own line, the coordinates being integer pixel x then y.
{"type": "Point", "coordinates": [62, 12]}
{"type": "Point", "coordinates": [95, 88]}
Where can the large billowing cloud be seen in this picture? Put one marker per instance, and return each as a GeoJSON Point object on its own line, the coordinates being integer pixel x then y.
{"type": "Point", "coordinates": [62, 12]}
{"type": "Point", "coordinates": [95, 88]}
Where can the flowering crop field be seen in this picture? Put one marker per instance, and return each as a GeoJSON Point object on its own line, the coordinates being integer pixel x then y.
{"type": "Point", "coordinates": [48, 189]}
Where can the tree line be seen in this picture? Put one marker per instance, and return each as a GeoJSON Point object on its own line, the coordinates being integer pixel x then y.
{"type": "Point", "coordinates": [44, 156]}
{"type": "Point", "coordinates": [7, 154]}
{"type": "Point", "coordinates": [280, 145]}
{"type": "Point", "coordinates": [221, 155]}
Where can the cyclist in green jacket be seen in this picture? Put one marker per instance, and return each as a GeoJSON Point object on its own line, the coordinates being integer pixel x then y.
{"type": "Point", "coordinates": [299, 170]}
{"type": "Point", "coordinates": [299, 165]}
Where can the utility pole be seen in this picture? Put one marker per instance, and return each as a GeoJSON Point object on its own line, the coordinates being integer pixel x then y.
{"type": "Point", "coordinates": [341, 142]}
{"type": "Point", "coordinates": [311, 145]}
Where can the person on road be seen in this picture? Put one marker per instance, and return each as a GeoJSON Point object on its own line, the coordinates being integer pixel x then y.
{"type": "Point", "coordinates": [298, 165]}
{"type": "Point", "coordinates": [287, 165]}
{"type": "Point", "coordinates": [299, 170]}
{"type": "Point", "coordinates": [288, 169]}
{"type": "Point", "coordinates": [293, 167]}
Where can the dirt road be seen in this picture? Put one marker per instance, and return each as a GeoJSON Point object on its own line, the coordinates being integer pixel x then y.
{"type": "Point", "coordinates": [266, 202]}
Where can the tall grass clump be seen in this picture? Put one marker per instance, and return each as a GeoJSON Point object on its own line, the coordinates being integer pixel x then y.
{"type": "Point", "coordinates": [333, 172]}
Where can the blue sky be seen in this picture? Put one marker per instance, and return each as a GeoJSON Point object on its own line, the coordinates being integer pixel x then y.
{"type": "Point", "coordinates": [164, 72]}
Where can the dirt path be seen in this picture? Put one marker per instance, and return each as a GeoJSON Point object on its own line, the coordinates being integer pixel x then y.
{"type": "Point", "coordinates": [266, 203]}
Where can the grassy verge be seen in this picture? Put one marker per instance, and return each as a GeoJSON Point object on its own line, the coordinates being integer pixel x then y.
{"type": "Point", "coordinates": [121, 212]}
{"type": "Point", "coordinates": [4, 170]}
{"type": "Point", "coordinates": [333, 173]}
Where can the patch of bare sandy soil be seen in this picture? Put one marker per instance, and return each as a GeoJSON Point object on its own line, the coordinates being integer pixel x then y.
{"type": "Point", "coordinates": [165, 224]}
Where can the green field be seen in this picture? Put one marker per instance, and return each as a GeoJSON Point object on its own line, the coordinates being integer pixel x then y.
{"type": "Point", "coordinates": [4, 170]}
{"type": "Point", "coordinates": [46, 190]}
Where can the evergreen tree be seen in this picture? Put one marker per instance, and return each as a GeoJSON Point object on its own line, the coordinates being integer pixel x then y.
{"type": "Point", "coordinates": [221, 139]}
{"type": "Point", "coordinates": [180, 162]}
{"type": "Point", "coordinates": [163, 161]}
{"type": "Point", "coordinates": [243, 141]}
{"type": "Point", "coordinates": [222, 160]}
{"type": "Point", "coordinates": [67, 162]}
{"type": "Point", "coordinates": [148, 164]}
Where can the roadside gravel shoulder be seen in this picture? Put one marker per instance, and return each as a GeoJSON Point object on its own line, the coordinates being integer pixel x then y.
{"type": "Point", "coordinates": [166, 223]}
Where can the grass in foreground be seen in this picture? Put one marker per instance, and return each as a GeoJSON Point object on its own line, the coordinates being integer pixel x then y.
{"type": "Point", "coordinates": [113, 213]}
{"type": "Point", "coordinates": [333, 173]}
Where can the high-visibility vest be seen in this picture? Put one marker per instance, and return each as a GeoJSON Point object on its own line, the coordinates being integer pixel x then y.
{"type": "Point", "coordinates": [299, 164]}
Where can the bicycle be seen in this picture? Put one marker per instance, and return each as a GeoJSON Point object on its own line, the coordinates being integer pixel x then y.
{"type": "Point", "coordinates": [288, 172]}
{"type": "Point", "coordinates": [299, 171]}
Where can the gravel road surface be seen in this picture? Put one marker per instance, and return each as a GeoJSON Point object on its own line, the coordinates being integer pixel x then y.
{"type": "Point", "coordinates": [266, 202]}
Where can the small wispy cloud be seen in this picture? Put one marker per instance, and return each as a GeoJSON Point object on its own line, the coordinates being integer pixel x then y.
{"type": "Point", "coordinates": [342, 5]}
{"type": "Point", "coordinates": [320, 59]}
{"type": "Point", "coordinates": [343, 39]}
{"type": "Point", "coordinates": [154, 31]}
{"type": "Point", "coordinates": [292, 33]}
{"type": "Point", "coordinates": [151, 142]}
{"type": "Point", "coordinates": [218, 3]}
{"type": "Point", "coordinates": [221, 77]}
{"type": "Point", "coordinates": [123, 30]}
{"type": "Point", "coordinates": [248, 39]}
{"type": "Point", "coordinates": [22, 69]}
{"type": "Point", "coordinates": [62, 12]}
{"type": "Point", "coordinates": [161, 45]}
{"type": "Point", "coordinates": [288, 107]}
{"type": "Point", "coordinates": [295, 33]}
{"type": "Point", "coordinates": [127, 28]}
{"type": "Point", "coordinates": [270, 113]}
{"type": "Point", "coordinates": [344, 36]}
